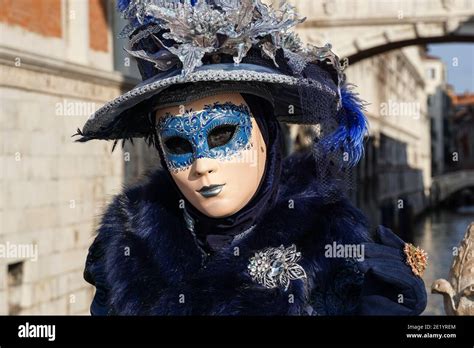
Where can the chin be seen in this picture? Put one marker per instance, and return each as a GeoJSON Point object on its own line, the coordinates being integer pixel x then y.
{"type": "Point", "coordinates": [218, 208]}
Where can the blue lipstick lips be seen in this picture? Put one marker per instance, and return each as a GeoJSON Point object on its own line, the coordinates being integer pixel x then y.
{"type": "Point", "coordinates": [210, 191]}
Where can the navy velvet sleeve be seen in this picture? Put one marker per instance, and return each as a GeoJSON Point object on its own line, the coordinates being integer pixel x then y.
{"type": "Point", "coordinates": [389, 287]}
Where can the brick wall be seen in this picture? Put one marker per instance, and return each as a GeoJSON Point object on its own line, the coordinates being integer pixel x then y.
{"type": "Point", "coordinates": [55, 70]}
{"type": "Point", "coordinates": [98, 25]}
{"type": "Point", "coordinates": [39, 16]}
{"type": "Point", "coordinates": [44, 17]}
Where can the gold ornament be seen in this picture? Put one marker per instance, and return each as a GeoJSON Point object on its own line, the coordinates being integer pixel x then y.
{"type": "Point", "coordinates": [416, 259]}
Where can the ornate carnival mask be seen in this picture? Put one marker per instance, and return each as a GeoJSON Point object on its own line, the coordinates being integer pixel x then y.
{"type": "Point", "coordinates": [214, 151]}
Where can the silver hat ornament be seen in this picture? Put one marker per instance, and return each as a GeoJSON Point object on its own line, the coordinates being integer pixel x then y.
{"type": "Point", "coordinates": [182, 42]}
{"type": "Point", "coordinates": [218, 27]}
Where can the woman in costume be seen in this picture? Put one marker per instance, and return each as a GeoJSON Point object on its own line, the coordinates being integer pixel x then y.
{"type": "Point", "coordinates": [228, 226]}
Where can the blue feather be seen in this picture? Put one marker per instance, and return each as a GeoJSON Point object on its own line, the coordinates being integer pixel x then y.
{"type": "Point", "coordinates": [353, 127]}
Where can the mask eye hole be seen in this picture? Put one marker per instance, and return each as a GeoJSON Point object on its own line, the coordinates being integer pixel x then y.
{"type": "Point", "coordinates": [178, 146]}
{"type": "Point", "coordinates": [221, 135]}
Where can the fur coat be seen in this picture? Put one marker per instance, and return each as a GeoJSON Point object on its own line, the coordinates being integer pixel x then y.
{"type": "Point", "coordinates": [145, 261]}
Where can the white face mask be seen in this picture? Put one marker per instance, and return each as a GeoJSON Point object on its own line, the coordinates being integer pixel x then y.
{"type": "Point", "coordinates": [217, 155]}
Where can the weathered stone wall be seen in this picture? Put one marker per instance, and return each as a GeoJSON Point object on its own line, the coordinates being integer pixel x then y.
{"type": "Point", "coordinates": [52, 190]}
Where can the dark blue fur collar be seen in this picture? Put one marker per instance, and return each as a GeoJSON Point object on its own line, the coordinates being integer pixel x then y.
{"type": "Point", "coordinates": [150, 263]}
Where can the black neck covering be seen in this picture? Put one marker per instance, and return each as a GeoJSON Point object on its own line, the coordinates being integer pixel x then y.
{"type": "Point", "coordinates": [215, 233]}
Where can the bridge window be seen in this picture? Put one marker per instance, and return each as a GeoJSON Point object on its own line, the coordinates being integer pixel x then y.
{"type": "Point", "coordinates": [431, 72]}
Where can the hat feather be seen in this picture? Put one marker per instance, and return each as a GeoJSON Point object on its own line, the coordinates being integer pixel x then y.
{"type": "Point", "coordinates": [353, 126]}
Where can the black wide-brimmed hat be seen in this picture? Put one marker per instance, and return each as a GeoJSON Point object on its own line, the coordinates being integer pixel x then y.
{"type": "Point", "coordinates": [187, 49]}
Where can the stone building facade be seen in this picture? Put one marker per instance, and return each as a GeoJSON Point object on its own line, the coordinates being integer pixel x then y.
{"type": "Point", "coordinates": [56, 67]}
{"type": "Point", "coordinates": [392, 182]}
{"type": "Point", "coordinates": [461, 156]}
{"type": "Point", "coordinates": [394, 178]}
{"type": "Point", "coordinates": [439, 109]}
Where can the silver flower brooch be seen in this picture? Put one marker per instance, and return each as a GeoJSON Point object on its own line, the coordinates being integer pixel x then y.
{"type": "Point", "coordinates": [275, 267]}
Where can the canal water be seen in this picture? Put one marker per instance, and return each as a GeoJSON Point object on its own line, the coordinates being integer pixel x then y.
{"type": "Point", "coordinates": [438, 233]}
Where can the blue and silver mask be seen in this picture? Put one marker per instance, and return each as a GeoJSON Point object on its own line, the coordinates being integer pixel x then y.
{"type": "Point", "coordinates": [219, 131]}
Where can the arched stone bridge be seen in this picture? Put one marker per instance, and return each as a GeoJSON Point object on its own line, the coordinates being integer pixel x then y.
{"type": "Point", "coordinates": [445, 185]}
{"type": "Point", "coordinates": [359, 29]}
